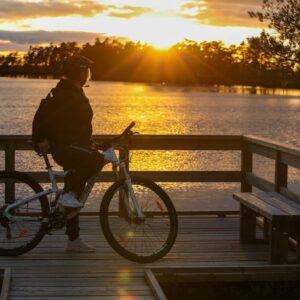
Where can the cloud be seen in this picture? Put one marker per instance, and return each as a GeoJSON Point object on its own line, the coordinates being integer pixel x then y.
{"type": "Point", "coordinates": [221, 13]}
{"type": "Point", "coordinates": [12, 10]}
{"type": "Point", "coordinates": [127, 11]}
{"type": "Point", "coordinates": [21, 40]}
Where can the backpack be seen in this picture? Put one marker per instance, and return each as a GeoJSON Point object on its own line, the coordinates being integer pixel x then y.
{"type": "Point", "coordinates": [41, 125]}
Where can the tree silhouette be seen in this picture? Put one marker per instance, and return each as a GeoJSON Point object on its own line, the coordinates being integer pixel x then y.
{"type": "Point", "coordinates": [283, 40]}
{"type": "Point", "coordinates": [187, 62]}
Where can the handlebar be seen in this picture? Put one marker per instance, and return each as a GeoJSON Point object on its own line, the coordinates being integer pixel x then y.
{"type": "Point", "coordinates": [126, 133]}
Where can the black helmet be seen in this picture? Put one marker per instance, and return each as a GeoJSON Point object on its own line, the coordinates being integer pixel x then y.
{"type": "Point", "coordinates": [73, 66]}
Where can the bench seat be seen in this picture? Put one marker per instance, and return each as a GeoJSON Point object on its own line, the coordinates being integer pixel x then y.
{"type": "Point", "coordinates": [281, 217]}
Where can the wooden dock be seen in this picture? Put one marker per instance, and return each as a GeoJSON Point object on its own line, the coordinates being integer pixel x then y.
{"type": "Point", "coordinates": [47, 272]}
{"type": "Point", "coordinates": [203, 240]}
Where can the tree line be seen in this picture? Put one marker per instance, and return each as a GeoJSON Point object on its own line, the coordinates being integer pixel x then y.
{"type": "Point", "coordinates": [187, 62]}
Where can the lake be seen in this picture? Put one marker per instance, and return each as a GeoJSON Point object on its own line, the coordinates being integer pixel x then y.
{"type": "Point", "coordinates": [162, 109]}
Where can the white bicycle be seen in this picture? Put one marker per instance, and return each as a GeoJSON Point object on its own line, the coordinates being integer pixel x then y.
{"type": "Point", "coordinates": [137, 217]}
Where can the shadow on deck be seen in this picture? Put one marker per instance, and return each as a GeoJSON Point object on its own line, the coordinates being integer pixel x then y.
{"type": "Point", "coordinates": [48, 273]}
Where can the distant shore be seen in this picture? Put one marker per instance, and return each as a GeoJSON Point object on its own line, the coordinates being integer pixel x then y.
{"type": "Point", "coordinates": [217, 88]}
{"type": "Point", "coordinates": [186, 63]}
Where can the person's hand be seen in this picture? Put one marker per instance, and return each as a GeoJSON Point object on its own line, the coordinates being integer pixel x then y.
{"type": "Point", "coordinates": [44, 146]}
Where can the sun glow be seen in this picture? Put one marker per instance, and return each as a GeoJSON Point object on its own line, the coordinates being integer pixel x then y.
{"type": "Point", "coordinates": [161, 23]}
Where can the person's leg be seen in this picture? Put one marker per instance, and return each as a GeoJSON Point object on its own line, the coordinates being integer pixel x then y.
{"type": "Point", "coordinates": [83, 163]}
{"type": "Point", "coordinates": [72, 228]}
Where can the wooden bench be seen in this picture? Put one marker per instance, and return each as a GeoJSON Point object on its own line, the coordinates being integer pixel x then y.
{"type": "Point", "coordinates": [281, 220]}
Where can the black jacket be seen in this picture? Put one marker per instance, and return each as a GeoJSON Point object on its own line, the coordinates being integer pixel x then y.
{"type": "Point", "coordinates": [68, 119]}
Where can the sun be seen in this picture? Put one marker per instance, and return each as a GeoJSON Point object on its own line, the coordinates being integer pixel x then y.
{"type": "Point", "coordinates": [161, 44]}
{"type": "Point", "coordinates": [158, 31]}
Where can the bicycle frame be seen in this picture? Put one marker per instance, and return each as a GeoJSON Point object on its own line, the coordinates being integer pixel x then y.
{"type": "Point", "coordinates": [109, 157]}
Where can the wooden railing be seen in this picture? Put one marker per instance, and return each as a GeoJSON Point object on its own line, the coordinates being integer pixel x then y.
{"type": "Point", "coordinates": [284, 156]}
{"type": "Point", "coordinates": [147, 142]}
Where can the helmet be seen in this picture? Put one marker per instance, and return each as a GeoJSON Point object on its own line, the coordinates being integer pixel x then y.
{"type": "Point", "coordinates": [74, 66]}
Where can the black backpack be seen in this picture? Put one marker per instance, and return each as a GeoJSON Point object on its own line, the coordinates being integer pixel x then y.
{"type": "Point", "coordinates": [41, 125]}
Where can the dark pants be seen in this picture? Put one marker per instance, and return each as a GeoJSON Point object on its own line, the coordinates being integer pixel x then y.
{"type": "Point", "coordinates": [83, 162]}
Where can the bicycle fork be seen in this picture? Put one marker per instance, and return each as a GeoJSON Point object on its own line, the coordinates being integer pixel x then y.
{"type": "Point", "coordinates": [137, 212]}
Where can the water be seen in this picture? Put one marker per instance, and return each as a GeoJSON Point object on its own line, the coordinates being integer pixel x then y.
{"type": "Point", "coordinates": [160, 109]}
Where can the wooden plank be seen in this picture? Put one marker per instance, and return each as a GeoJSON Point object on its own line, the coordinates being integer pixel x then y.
{"type": "Point", "coordinates": [5, 284]}
{"type": "Point", "coordinates": [284, 147]}
{"type": "Point", "coordinates": [246, 165]}
{"type": "Point", "coordinates": [154, 142]}
{"type": "Point", "coordinates": [281, 173]}
{"type": "Point", "coordinates": [77, 292]}
{"type": "Point", "coordinates": [279, 242]}
{"type": "Point", "coordinates": [247, 225]}
{"type": "Point", "coordinates": [84, 298]}
{"type": "Point", "coordinates": [205, 241]}
{"type": "Point", "coordinates": [291, 195]}
{"type": "Point", "coordinates": [259, 206]}
{"type": "Point", "coordinates": [266, 227]}
{"type": "Point", "coordinates": [290, 159]}
{"type": "Point", "coordinates": [264, 268]}
{"type": "Point", "coordinates": [154, 285]}
{"type": "Point", "coordinates": [260, 183]}
{"type": "Point", "coordinates": [220, 213]}
{"type": "Point", "coordinates": [161, 176]}
{"type": "Point", "coordinates": [229, 277]}
{"type": "Point", "coordinates": [10, 166]}
{"type": "Point", "coordinates": [297, 238]}
{"type": "Point", "coordinates": [262, 150]}
{"type": "Point", "coordinates": [277, 200]}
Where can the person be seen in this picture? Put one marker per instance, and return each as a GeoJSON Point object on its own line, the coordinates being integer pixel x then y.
{"type": "Point", "coordinates": [66, 133]}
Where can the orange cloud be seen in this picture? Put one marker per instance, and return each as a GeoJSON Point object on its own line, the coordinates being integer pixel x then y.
{"type": "Point", "coordinates": [21, 40]}
{"type": "Point", "coordinates": [221, 13]}
{"type": "Point", "coordinates": [128, 11]}
{"type": "Point", "coordinates": [12, 10]}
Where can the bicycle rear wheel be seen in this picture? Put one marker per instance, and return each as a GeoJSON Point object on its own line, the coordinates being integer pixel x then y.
{"type": "Point", "coordinates": [140, 241]}
{"type": "Point", "coordinates": [31, 220]}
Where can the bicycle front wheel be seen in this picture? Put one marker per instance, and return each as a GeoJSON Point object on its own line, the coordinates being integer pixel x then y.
{"type": "Point", "coordinates": [139, 240]}
{"type": "Point", "coordinates": [30, 220]}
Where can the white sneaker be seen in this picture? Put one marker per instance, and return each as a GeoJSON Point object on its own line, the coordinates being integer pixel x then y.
{"type": "Point", "coordinates": [79, 246]}
{"type": "Point", "coordinates": [69, 200]}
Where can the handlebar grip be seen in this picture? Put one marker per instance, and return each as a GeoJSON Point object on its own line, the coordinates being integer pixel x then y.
{"type": "Point", "coordinates": [128, 128]}
{"type": "Point", "coordinates": [132, 124]}
{"type": "Point", "coordinates": [124, 133]}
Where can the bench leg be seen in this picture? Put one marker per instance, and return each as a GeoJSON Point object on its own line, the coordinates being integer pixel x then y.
{"type": "Point", "coordinates": [279, 242]}
{"type": "Point", "coordinates": [298, 243]}
{"type": "Point", "coordinates": [247, 225]}
{"type": "Point", "coordinates": [266, 230]}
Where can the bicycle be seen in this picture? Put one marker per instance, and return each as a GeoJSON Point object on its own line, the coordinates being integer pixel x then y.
{"type": "Point", "coordinates": [137, 217]}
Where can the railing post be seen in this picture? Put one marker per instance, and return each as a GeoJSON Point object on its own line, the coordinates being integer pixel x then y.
{"type": "Point", "coordinates": [246, 166]}
{"type": "Point", "coordinates": [9, 166]}
{"type": "Point", "coordinates": [281, 173]}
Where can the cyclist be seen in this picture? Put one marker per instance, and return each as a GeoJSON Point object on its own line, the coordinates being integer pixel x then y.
{"type": "Point", "coordinates": [65, 131]}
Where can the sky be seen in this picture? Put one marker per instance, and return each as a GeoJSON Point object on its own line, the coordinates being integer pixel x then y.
{"type": "Point", "coordinates": [161, 23]}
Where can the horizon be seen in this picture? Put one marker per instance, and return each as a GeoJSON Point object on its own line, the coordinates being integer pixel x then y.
{"type": "Point", "coordinates": [160, 24]}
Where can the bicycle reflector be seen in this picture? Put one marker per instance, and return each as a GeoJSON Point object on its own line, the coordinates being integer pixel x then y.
{"type": "Point", "coordinates": [159, 205]}
{"type": "Point", "coordinates": [123, 239]}
{"type": "Point", "coordinates": [23, 232]}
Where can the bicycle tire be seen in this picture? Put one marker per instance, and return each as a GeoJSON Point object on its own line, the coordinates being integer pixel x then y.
{"type": "Point", "coordinates": [43, 201]}
{"type": "Point", "coordinates": [107, 230]}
